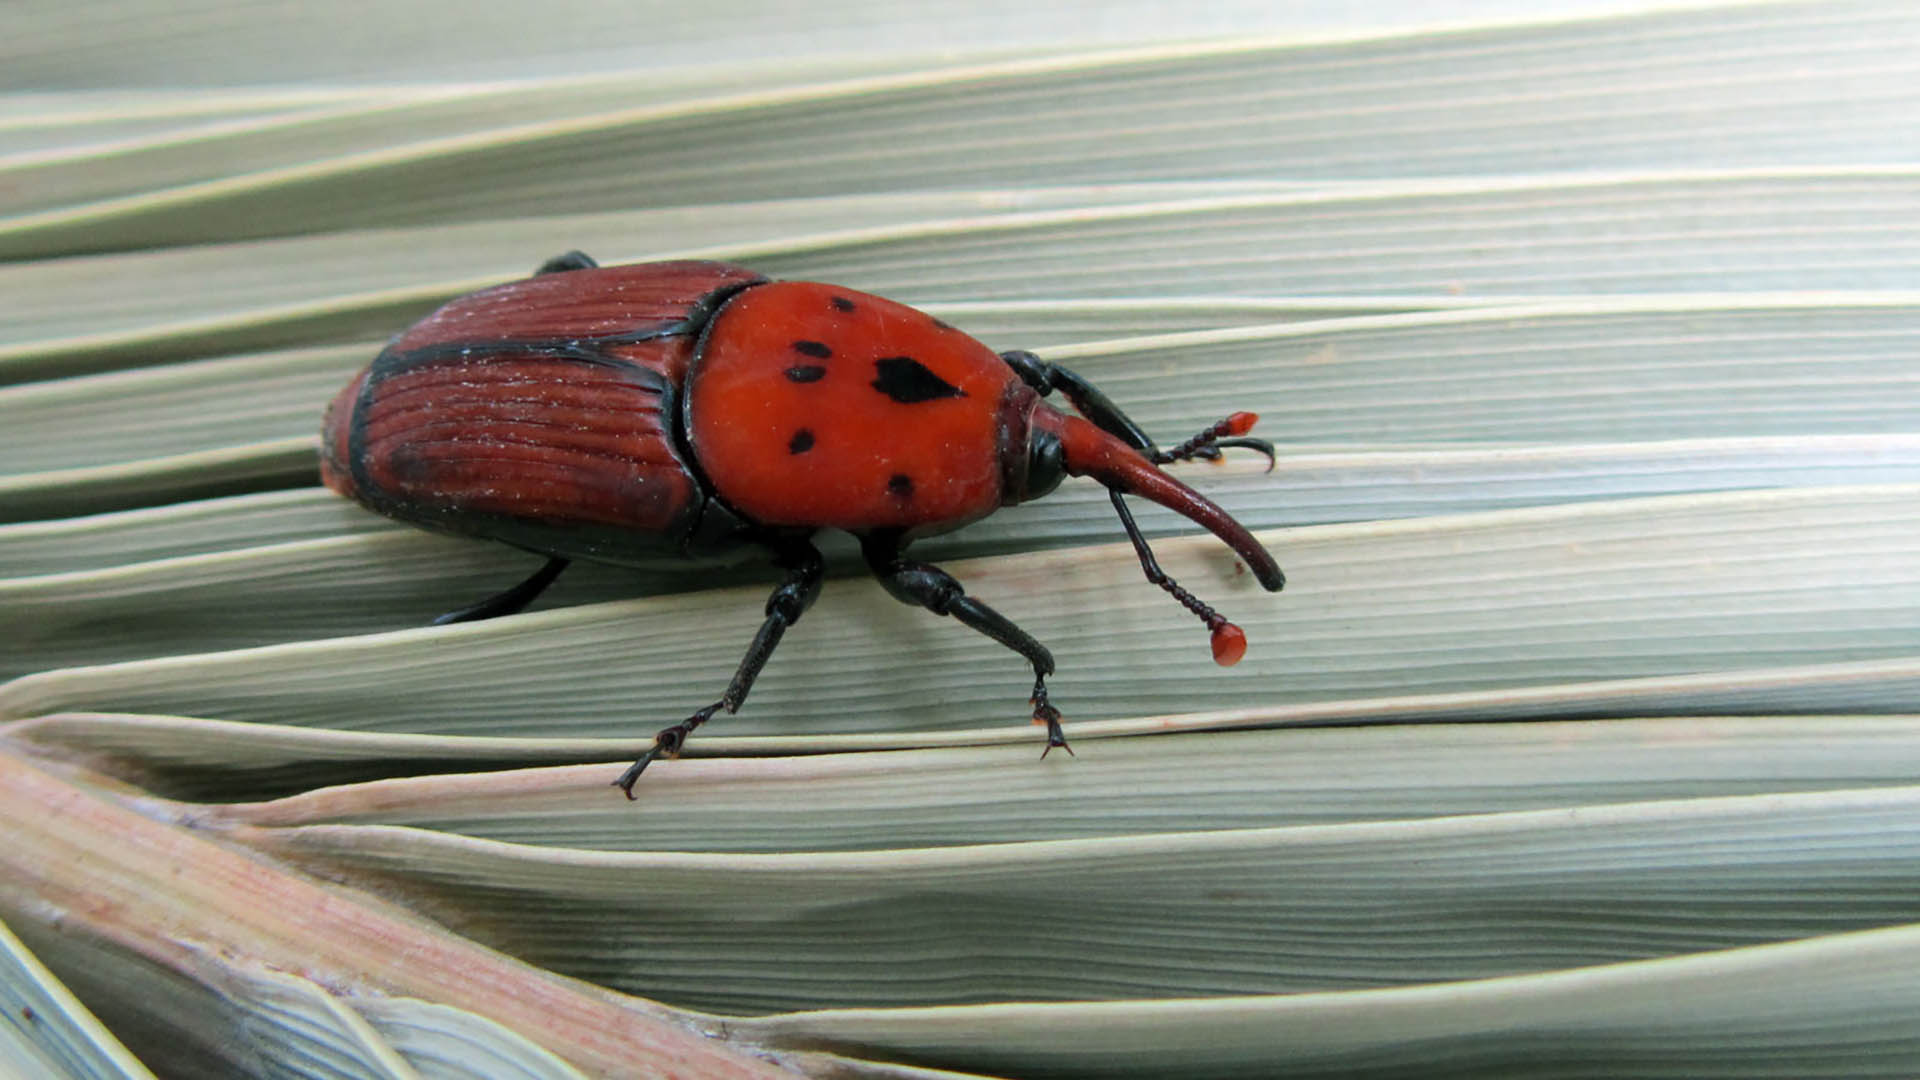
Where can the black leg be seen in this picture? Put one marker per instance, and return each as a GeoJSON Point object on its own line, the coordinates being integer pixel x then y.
{"type": "Point", "coordinates": [936, 590]}
{"type": "Point", "coordinates": [790, 600]}
{"type": "Point", "coordinates": [572, 260]}
{"type": "Point", "coordinates": [1095, 406]}
{"type": "Point", "coordinates": [514, 599]}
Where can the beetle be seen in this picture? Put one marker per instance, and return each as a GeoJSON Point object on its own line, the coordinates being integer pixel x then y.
{"type": "Point", "coordinates": [680, 410]}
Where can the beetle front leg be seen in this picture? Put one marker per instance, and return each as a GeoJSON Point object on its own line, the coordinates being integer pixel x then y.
{"type": "Point", "coordinates": [930, 587]}
{"type": "Point", "coordinates": [790, 600]}
{"type": "Point", "coordinates": [1046, 377]}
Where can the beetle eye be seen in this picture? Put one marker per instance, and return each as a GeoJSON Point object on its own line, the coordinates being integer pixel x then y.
{"type": "Point", "coordinates": [1046, 464]}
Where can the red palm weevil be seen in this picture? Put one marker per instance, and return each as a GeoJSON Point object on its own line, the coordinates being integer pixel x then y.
{"type": "Point", "coordinates": [623, 414]}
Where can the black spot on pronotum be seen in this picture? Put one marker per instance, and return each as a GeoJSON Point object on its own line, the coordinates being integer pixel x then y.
{"type": "Point", "coordinates": [801, 442]}
{"type": "Point", "coordinates": [908, 381]}
{"type": "Point", "coordinates": [900, 486]}
{"type": "Point", "coordinates": [841, 303]}
{"type": "Point", "coordinates": [806, 373]}
{"type": "Point", "coordinates": [815, 349]}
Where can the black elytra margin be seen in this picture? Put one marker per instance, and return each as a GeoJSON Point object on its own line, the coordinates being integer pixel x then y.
{"type": "Point", "coordinates": [909, 382]}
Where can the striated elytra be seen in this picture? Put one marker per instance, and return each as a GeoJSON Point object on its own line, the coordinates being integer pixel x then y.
{"type": "Point", "coordinates": [624, 414]}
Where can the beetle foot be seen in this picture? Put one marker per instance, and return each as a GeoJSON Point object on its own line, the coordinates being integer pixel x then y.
{"type": "Point", "coordinates": [1045, 713]}
{"type": "Point", "coordinates": [666, 744]}
{"type": "Point", "coordinates": [632, 775]}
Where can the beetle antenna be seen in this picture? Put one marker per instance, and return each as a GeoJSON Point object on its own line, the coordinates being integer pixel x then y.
{"type": "Point", "coordinates": [1223, 434]}
{"type": "Point", "coordinates": [1229, 641]}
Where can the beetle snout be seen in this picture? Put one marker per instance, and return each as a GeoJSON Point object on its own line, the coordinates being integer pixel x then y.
{"type": "Point", "coordinates": [1085, 450]}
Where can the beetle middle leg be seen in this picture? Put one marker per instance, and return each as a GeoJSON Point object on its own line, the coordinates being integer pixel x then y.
{"type": "Point", "coordinates": [806, 570]}
{"type": "Point", "coordinates": [513, 600]}
{"type": "Point", "coordinates": [930, 587]}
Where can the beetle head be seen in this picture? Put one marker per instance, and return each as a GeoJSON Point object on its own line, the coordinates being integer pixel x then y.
{"type": "Point", "coordinates": [1060, 445]}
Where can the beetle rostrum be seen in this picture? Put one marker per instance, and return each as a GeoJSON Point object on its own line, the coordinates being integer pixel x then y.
{"type": "Point", "coordinates": [624, 414]}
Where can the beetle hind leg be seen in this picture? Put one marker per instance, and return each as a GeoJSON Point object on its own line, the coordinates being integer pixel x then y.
{"type": "Point", "coordinates": [806, 571]}
{"type": "Point", "coordinates": [513, 600]}
{"type": "Point", "coordinates": [930, 587]}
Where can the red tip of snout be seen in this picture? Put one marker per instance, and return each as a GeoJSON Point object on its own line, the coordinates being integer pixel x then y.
{"type": "Point", "coordinates": [1229, 644]}
{"type": "Point", "coordinates": [1241, 422]}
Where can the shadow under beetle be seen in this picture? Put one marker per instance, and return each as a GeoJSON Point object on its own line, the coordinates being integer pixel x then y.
{"type": "Point", "coordinates": [620, 414]}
